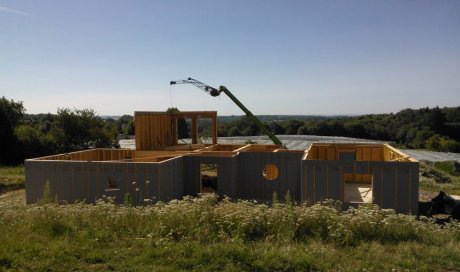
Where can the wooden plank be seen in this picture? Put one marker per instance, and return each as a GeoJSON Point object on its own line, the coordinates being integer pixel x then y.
{"type": "Point", "coordinates": [313, 153]}
{"type": "Point", "coordinates": [359, 153]}
{"type": "Point", "coordinates": [367, 154]}
{"type": "Point", "coordinates": [377, 154]}
{"type": "Point", "coordinates": [331, 153]}
{"type": "Point", "coordinates": [157, 130]}
{"type": "Point", "coordinates": [322, 153]}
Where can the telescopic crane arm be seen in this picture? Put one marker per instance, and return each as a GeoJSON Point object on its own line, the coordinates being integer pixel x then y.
{"type": "Point", "coordinates": [216, 92]}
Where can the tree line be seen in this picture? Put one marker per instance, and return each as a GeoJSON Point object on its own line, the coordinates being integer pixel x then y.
{"type": "Point", "coordinates": [25, 136]}
{"type": "Point", "coordinates": [436, 129]}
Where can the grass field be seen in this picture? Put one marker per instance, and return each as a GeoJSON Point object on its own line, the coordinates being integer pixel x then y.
{"type": "Point", "coordinates": [203, 234]}
{"type": "Point", "coordinates": [440, 176]}
{"type": "Point", "coordinates": [11, 178]}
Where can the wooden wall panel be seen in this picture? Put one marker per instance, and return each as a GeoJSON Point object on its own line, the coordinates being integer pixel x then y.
{"type": "Point", "coordinates": [158, 130]}
{"type": "Point", "coordinates": [153, 131]}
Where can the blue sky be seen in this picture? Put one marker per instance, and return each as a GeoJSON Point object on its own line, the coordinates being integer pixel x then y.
{"type": "Point", "coordinates": [277, 57]}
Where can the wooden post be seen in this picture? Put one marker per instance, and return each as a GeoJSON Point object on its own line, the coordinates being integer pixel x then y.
{"type": "Point", "coordinates": [194, 130]}
{"type": "Point", "coordinates": [214, 128]}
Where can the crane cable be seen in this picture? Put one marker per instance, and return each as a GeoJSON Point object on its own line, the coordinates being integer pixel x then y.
{"type": "Point", "coordinates": [171, 95]}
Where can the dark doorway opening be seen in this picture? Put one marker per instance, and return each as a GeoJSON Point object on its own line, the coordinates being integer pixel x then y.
{"type": "Point", "coordinates": [208, 175]}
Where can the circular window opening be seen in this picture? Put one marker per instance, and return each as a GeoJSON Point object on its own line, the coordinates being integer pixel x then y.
{"type": "Point", "coordinates": [270, 171]}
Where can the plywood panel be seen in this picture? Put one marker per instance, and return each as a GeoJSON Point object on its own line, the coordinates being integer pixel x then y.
{"type": "Point", "coordinates": [313, 153]}
{"type": "Point", "coordinates": [377, 154]}
{"type": "Point", "coordinates": [331, 153]}
{"type": "Point", "coordinates": [322, 153]}
{"type": "Point", "coordinates": [158, 130]}
{"type": "Point", "coordinates": [153, 130]}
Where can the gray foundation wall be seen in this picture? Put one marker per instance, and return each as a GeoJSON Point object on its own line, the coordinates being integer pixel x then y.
{"type": "Point", "coordinates": [227, 169]}
{"type": "Point", "coordinates": [72, 181]}
{"type": "Point", "coordinates": [253, 185]}
{"type": "Point", "coordinates": [395, 185]}
{"type": "Point", "coordinates": [239, 177]}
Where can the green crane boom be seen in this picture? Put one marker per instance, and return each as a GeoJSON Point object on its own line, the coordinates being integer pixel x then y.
{"type": "Point", "coordinates": [216, 92]}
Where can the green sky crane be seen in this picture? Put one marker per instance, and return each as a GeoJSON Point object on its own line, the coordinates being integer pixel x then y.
{"type": "Point", "coordinates": [216, 92]}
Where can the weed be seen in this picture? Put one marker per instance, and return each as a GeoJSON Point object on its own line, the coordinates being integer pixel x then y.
{"type": "Point", "coordinates": [204, 234]}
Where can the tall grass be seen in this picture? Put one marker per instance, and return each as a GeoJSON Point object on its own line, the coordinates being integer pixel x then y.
{"type": "Point", "coordinates": [205, 234]}
{"type": "Point", "coordinates": [11, 178]}
{"type": "Point", "coordinates": [440, 176]}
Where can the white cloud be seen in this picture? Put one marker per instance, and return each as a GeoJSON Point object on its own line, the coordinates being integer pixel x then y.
{"type": "Point", "coordinates": [13, 11]}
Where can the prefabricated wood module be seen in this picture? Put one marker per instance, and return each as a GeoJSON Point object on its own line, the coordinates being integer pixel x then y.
{"type": "Point", "coordinates": [162, 168]}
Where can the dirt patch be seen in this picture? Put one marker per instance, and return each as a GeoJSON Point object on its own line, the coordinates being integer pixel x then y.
{"type": "Point", "coordinates": [18, 196]}
{"type": "Point", "coordinates": [426, 195]}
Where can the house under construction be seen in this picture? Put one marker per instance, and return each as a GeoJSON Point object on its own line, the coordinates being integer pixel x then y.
{"type": "Point", "coordinates": [163, 168]}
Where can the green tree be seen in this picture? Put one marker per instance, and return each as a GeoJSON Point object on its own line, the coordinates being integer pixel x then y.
{"type": "Point", "coordinates": [33, 143]}
{"type": "Point", "coordinates": [292, 127]}
{"type": "Point", "coordinates": [303, 130]}
{"type": "Point", "coordinates": [434, 143]}
{"type": "Point", "coordinates": [355, 128]}
{"type": "Point", "coordinates": [276, 128]}
{"type": "Point", "coordinates": [129, 129]}
{"type": "Point", "coordinates": [11, 113]}
{"type": "Point", "coordinates": [422, 137]}
{"type": "Point", "coordinates": [123, 124]}
{"type": "Point", "coordinates": [436, 119]}
{"type": "Point", "coordinates": [234, 131]}
{"type": "Point", "coordinates": [82, 129]}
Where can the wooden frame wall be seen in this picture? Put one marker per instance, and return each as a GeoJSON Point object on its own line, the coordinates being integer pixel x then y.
{"type": "Point", "coordinates": [364, 152]}
{"type": "Point", "coordinates": [158, 130]}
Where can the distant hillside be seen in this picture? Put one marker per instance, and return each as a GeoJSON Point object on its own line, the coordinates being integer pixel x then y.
{"type": "Point", "coordinates": [269, 118]}
{"type": "Point", "coordinates": [435, 129]}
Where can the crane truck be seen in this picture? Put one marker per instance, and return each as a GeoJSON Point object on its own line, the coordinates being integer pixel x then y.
{"type": "Point", "coordinates": [222, 89]}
